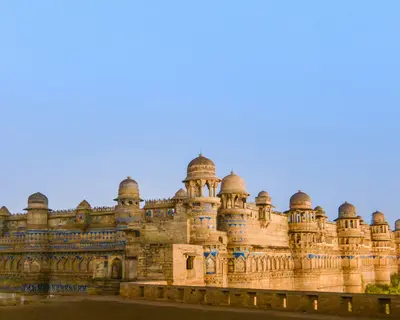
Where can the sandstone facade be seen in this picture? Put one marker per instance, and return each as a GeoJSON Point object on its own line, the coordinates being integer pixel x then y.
{"type": "Point", "coordinates": [202, 236]}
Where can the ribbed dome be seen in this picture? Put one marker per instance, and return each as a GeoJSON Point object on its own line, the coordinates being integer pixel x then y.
{"type": "Point", "coordinates": [180, 194]}
{"type": "Point", "coordinates": [128, 188]}
{"type": "Point", "coordinates": [318, 208]}
{"type": "Point", "coordinates": [263, 198]}
{"type": "Point", "coordinates": [200, 167]}
{"type": "Point", "coordinates": [4, 211]}
{"type": "Point", "coordinates": [84, 205]}
{"type": "Point", "coordinates": [397, 225]}
{"type": "Point", "coordinates": [233, 183]}
{"type": "Point", "coordinates": [378, 218]}
{"type": "Point", "coordinates": [300, 200]}
{"type": "Point", "coordinates": [38, 201]}
{"type": "Point", "coordinates": [201, 161]}
{"type": "Point", "coordinates": [347, 210]}
{"type": "Point", "coordinates": [38, 198]}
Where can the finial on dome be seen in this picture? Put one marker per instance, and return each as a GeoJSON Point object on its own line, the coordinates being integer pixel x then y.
{"type": "Point", "coordinates": [129, 177]}
{"type": "Point", "coordinates": [232, 172]}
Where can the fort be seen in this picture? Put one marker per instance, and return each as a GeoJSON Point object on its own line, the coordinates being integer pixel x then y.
{"type": "Point", "coordinates": [203, 236]}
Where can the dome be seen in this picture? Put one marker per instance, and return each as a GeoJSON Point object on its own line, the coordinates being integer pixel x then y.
{"type": "Point", "coordinates": [263, 198]}
{"type": "Point", "coordinates": [84, 205]}
{"type": "Point", "coordinates": [38, 201]}
{"type": "Point", "coordinates": [233, 183]}
{"type": "Point", "coordinates": [201, 161]}
{"type": "Point", "coordinates": [263, 194]}
{"type": "Point", "coordinates": [200, 168]}
{"type": "Point", "coordinates": [300, 200]}
{"type": "Point", "coordinates": [397, 225]}
{"type": "Point", "coordinates": [4, 211]}
{"type": "Point", "coordinates": [320, 212]}
{"type": "Point", "coordinates": [128, 188]}
{"type": "Point", "coordinates": [180, 194]}
{"type": "Point", "coordinates": [378, 218]}
{"type": "Point", "coordinates": [347, 210]}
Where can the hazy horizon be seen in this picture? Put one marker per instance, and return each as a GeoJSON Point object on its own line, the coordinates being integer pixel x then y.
{"type": "Point", "coordinates": [291, 95]}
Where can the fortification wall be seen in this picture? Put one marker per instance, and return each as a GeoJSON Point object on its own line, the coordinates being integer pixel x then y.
{"type": "Point", "coordinates": [342, 304]}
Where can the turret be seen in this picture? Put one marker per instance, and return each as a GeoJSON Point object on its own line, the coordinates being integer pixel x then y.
{"type": "Point", "coordinates": [38, 210]}
{"type": "Point", "coordinates": [303, 226]}
{"type": "Point", "coordinates": [383, 248]}
{"type": "Point", "coordinates": [320, 217]}
{"type": "Point", "coordinates": [233, 213]}
{"type": "Point", "coordinates": [348, 225]}
{"type": "Point", "coordinates": [264, 205]}
{"type": "Point", "coordinates": [4, 214]}
{"type": "Point", "coordinates": [201, 185]}
{"type": "Point", "coordinates": [350, 241]}
{"type": "Point", "coordinates": [128, 202]}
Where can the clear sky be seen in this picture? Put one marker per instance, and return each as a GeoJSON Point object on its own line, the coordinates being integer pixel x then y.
{"type": "Point", "coordinates": [290, 94]}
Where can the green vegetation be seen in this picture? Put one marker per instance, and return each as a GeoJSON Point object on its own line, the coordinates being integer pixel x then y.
{"type": "Point", "coordinates": [393, 288]}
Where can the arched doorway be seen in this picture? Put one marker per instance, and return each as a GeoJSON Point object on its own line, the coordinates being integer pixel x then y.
{"type": "Point", "coordinates": [116, 269]}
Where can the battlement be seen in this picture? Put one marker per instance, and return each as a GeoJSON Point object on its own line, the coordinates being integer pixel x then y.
{"type": "Point", "coordinates": [159, 203]}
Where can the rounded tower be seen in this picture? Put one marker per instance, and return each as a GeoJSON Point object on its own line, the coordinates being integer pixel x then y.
{"type": "Point", "coordinates": [264, 205]}
{"type": "Point", "coordinates": [383, 249]}
{"type": "Point", "coordinates": [201, 199]}
{"type": "Point", "coordinates": [128, 202]}
{"type": "Point", "coordinates": [233, 213]}
{"type": "Point", "coordinates": [38, 210]}
{"type": "Point", "coordinates": [303, 226]}
{"type": "Point", "coordinates": [350, 238]}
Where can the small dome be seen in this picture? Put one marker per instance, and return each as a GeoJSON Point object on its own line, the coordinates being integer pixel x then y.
{"type": "Point", "coordinates": [180, 194]}
{"type": "Point", "coordinates": [300, 200]}
{"type": "Point", "coordinates": [347, 210]}
{"type": "Point", "coordinates": [4, 211]}
{"type": "Point", "coordinates": [263, 198]}
{"type": "Point", "coordinates": [200, 167]}
{"type": "Point", "coordinates": [378, 218]}
{"type": "Point", "coordinates": [84, 205]}
{"type": "Point", "coordinates": [318, 208]}
{"type": "Point", "coordinates": [38, 201]}
{"type": "Point", "coordinates": [263, 194]}
{"type": "Point", "coordinates": [397, 225]}
{"type": "Point", "coordinates": [233, 183]}
{"type": "Point", "coordinates": [128, 188]}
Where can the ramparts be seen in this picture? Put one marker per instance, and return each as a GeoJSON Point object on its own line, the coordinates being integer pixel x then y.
{"type": "Point", "coordinates": [328, 303]}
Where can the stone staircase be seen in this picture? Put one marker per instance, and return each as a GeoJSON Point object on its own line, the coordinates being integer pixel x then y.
{"type": "Point", "coordinates": [110, 288]}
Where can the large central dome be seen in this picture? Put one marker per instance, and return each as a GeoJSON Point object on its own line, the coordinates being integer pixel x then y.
{"type": "Point", "coordinates": [200, 168]}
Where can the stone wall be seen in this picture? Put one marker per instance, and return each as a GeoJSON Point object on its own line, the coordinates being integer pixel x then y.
{"type": "Point", "coordinates": [342, 304]}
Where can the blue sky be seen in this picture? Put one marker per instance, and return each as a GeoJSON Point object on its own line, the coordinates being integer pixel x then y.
{"type": "Point", "coordinates": [290, 94]}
